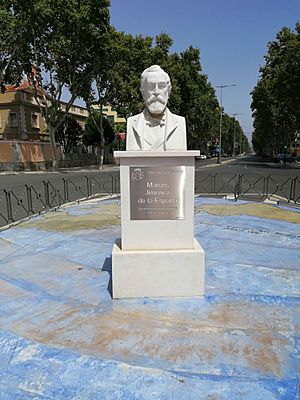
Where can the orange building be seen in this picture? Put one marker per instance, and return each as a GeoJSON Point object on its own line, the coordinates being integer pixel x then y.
{"type": "Point", "coordinates": [24, 139]}
{"type": "Point", "coordinates": [20, 116]}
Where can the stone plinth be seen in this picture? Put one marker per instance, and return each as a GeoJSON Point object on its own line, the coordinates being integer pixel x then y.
{"type": "Point", "coordinates": [157, 254]}
{"type": "Point", "coordinates": [158, 273]}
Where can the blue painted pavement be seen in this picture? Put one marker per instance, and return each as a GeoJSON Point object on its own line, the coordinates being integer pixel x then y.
{"type": "Point", "coordinates": [63, 337]}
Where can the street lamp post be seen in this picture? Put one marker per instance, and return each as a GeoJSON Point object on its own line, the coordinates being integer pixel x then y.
{"type": "Point", "coordinates": [221, 115]}
{"type": "Point", "coordinates": [234, 126]}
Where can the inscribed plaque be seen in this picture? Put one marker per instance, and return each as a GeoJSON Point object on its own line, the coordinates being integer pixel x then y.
{"type": "Point", "coordinates": [157, 193]}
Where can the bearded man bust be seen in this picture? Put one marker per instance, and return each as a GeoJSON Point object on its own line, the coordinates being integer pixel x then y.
{"type": "Point", "coordinates": [156, 128]}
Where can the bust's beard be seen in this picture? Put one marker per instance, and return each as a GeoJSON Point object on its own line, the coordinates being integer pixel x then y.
{"type": "Point", "coordinates": [156, 107]}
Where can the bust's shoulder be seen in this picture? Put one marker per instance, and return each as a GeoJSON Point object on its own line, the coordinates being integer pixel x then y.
{"type": "Point", "coordinates": [178, 118]}
{"type": "Point", "coordinates": [134, 117]}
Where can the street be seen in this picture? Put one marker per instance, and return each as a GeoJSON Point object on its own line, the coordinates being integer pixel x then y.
{"type": "Point", "coordinates": [249, 164]}
{"type": "Point", "coordinates": [26, 193]}
{"type": "Point", "coordinates": [249, 178]}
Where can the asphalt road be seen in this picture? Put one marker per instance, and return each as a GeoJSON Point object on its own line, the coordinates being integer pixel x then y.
{"type": "Point", "coordinates": [249, 164]}
{"type": "Point", "coordinates": [249, 178]}
{"type": "Point", "coordinates": [25, 193]}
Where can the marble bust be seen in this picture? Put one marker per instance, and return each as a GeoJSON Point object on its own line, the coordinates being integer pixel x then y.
{"type": "Point", "coordinates": [156, 128]}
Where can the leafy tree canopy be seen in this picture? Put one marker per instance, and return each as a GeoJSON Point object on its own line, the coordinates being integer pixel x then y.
{"type": "Point", "coordinates": [69, 133]}
{"type": "Point", "coordinates": [92, 135]}
{"type": "Point", "coordinates": [74, 47]}
{"type": "Point", "coordinates": [55, 45]}
{"type": "Point", "coordinates": [276, 97]}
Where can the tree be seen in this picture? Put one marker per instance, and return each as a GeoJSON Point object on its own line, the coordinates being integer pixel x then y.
{"type": "Point", "coordinates": [60, 45]}
{"type": "Point", "coordinates": [276, 97]}
{"type": "Point", "coordinates": [227, 134]}
{"type": "Point", "coordinates": [131, 55]}
{"type": "Point", "coordinates": [264, 137]}
{"type": "Point", "coordinates": [116, 77]}
{"type": "Point", "coordinates": [92, 134]}
{"type": "Point", "coordinates": [15, 28]}
{"type": "Point", "coordinates": [198, 100]}
{"type": "Point", "coordinates": [192, 95]}
{"type": "Point", "coordinates": [171, 63]}
{"type": "Point", "coordinates": [69, 133]}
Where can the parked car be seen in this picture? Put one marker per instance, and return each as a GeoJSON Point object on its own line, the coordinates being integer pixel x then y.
{"type": "Point", "coordinates": [282, 157]}
{"type": "Point", "coordinates": [201, 157]}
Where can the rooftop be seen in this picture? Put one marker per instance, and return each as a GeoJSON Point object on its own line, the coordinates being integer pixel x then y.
{"type": "Point", "coordinates": [63, 337]}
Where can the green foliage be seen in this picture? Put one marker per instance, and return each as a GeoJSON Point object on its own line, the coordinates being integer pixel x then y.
{"type": "Point", "coordinates": [60, 40]}
{"type": "Point", "coordinates": [15, 40]}
{"type": "Point", "coordinates": [92, 130]}
{"type": "Point", "coordinates": [69, 133]}
{"type": "Point", "coordinates": [64, 56]}
{"type": "Point", "coordinates": [276, 97]}
{"type": "Point", "coordinates": [120, 128]}
{"type": "Point", "coordinates": [192, 95]}
{"type": "Point", "coordinates": [129, 57]}
{"type": "Point", "coordinates": [198, 102]}
{"type": "Point", "coordinates": [71, 45]}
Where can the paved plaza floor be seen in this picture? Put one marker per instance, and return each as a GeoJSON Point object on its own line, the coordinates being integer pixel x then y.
{"type": "Point", "coordinates": [63, 337]}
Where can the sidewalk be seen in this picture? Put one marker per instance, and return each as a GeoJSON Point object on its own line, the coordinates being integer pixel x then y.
{"type": "Point", "coordinates": [95, 168]}
{"type": "Point", "coordinates": [62, 337]}
{"type": "Point", "coordinates": [87, 168]}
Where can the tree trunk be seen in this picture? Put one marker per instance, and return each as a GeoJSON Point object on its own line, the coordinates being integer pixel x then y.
{"type": "Point", "coordinates": [53, 147]}
{"type": "Point", "coordinates": [101, 139]}
{"type": "Point", "coordinates": [101, 159]}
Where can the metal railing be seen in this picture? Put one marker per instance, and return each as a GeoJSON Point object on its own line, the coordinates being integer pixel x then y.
{"type": "Point", "coordinates": [249, 186]}
{"type": "Point", "coordinates": [22, 201]}
{"type": "Point", "coordinates": [25, 200]}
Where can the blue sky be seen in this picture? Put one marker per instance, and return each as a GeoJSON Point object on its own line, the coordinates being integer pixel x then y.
{"type": "Point", "coordinates": [232, 36]}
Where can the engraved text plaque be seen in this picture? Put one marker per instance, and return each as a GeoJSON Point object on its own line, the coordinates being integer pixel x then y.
{"type": "Point", "coordinates": [157, 193]}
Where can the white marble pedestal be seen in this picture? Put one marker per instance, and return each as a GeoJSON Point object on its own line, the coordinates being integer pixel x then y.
{"type": "Point", "coordinates": [157, 255]}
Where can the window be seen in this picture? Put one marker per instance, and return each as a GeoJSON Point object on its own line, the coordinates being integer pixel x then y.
{"type": "Point", "coordinates": [35, 120]}
{"type": "Point", "coordinates": [13, 119]}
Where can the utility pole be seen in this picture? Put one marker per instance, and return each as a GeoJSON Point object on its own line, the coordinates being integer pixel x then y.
{"type": "Point", "coordinates": [221, 87]}
{"type": "Point", "coordinates": [234, 126]}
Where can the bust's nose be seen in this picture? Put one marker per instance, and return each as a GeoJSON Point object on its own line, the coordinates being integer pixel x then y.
{"type": "Point", "coordinates": [156, 90]}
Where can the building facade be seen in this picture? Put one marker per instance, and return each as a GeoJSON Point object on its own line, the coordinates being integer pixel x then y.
{"type": "Point", "coordinates": [111, 115]}
{"type": "Point", "coordinates": [20, 116]}
{"type": "Point", "coordinates": [24, 138]}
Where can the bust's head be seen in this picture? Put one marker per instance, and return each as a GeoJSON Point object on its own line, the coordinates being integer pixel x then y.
{"type": "Point", "coordinates": [155, 88]}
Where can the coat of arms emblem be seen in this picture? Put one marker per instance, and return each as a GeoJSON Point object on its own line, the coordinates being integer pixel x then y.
{"type": "Point", "coordinates": [137, 174]}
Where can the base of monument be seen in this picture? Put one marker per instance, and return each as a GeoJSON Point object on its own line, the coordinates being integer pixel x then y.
{"type": "Point", "coordinates": [158, 273]}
